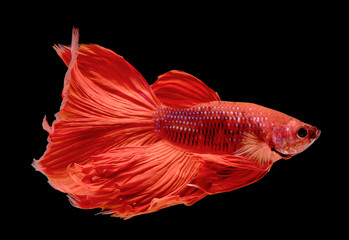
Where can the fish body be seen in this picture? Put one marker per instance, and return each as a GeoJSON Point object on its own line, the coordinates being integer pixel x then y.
{"type": "Point", "coordinates": [129, 148]}
{"type": "Point", "coordinates": [224, 128]}
{"type": "Point", "coordinates": [214, 127]}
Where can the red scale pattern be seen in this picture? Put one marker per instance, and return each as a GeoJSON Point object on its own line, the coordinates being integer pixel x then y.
{"type": "Point", "coordinates": [217, 127]}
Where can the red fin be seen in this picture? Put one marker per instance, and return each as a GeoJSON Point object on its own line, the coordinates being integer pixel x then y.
{"type": "Point", "coordinates": [216, 178]}
{"type": "Point", "coordinates": [222, 173]}
{"type": "Point", "coordinates": [257, 150]}
{"type": "Point", "coordinates": [106, 104]}
{"type": "Point", "coordinates": [235, 161]}
{"type": "Point", "coordinates": [135, 180]}
{"type": "Point", "coordinates": [181, 90]}
{"type": "Point", "coordinates": [102, 78]}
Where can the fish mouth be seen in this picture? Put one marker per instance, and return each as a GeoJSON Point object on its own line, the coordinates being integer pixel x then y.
{"type": "Point", "coordinates": [284, 156]}
{"type": "Point", "coordinates": [315, 134]}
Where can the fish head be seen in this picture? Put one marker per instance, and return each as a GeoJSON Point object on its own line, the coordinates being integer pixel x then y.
{"type": "Point", "coordinates": [293, 137]}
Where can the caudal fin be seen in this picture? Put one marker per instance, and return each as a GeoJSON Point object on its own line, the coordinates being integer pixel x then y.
{"type": "Point", "coordinates": [106, 104]}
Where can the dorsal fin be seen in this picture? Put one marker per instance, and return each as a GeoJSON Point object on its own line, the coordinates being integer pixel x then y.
{"type": "Point", "coordinates": [178, 89]}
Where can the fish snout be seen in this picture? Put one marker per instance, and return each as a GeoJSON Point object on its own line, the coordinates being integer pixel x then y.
{"type": "Point", "coordinates": [314, 133]}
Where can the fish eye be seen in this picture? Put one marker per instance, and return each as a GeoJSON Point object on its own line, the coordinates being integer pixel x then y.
{"type": "Point", "coordinates": [302, 133]}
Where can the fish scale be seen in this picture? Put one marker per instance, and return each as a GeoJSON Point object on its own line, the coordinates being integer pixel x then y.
{"type": "Point", "coordinates": [216, 127]}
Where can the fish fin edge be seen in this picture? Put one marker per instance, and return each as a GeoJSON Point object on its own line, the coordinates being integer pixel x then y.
{"type": "Point", "coordinates": [224, 173]}
{"type": "Point", "coordinates": [130, 181]}
{"type": "Point", "coordinates": [178, 89]}
{"type": "Point", "coordinates": [106, 103]}
{"type": "Point", "coordinates": [255, 149]}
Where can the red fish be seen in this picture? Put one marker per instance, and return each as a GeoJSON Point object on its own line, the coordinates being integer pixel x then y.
{"type": "Point", "coordinates": [129, 148]}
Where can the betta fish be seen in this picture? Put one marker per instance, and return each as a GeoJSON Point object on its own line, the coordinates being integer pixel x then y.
{"type": "Point", "coordinates": [128, 148]}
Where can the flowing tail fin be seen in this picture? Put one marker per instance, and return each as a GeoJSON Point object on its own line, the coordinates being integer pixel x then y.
{"type": "Point", "coordinates": [106, 104]}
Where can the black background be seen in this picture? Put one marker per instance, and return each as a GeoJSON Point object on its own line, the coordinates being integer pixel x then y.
{"type": "Point", "coordinates": [285, 60]}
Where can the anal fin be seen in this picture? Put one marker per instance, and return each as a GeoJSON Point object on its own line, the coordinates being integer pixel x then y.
{"type": "Point", "coordinates": [135, 180]}
{"type": "Point", "coordinates": [223, 173]}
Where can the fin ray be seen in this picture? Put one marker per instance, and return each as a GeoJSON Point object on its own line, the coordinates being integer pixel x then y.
{"type": "Point", "coordinates": [136, 180]}
{"type": "Point", "coordinates": [106, 104]}
{"type": "Point", "coordinates": [223, 173]}
{"type": "Point", "coordinates": [178, 89]}
{"type": "Point", "coordinates": [256, 149]}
